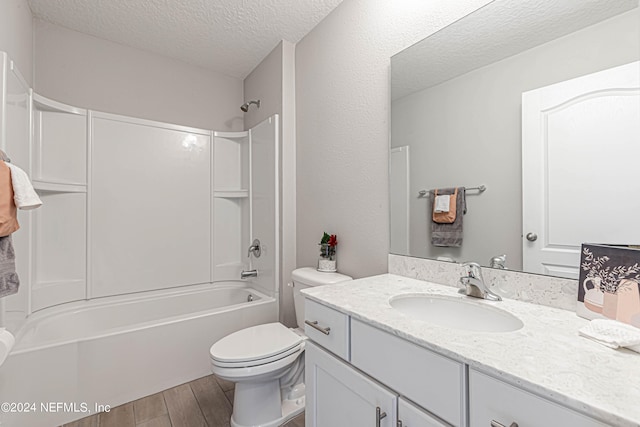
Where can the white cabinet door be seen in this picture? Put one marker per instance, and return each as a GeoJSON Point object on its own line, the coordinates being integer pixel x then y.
{"type": "Point", "coordinates": [410, 415]}
{"type": "Point", "coordinates": [340, 396]}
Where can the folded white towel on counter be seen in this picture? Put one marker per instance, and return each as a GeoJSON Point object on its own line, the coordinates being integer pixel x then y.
{"type": "Point", "coordinates": [612, 333]}
{"type": "Point", "coordinates": [23, 193]}
{"type": "Point", "coordinates": [442, 204]}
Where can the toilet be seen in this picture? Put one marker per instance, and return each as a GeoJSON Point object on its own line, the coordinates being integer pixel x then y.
{"type": "Point", "coordinates": [266, 362]}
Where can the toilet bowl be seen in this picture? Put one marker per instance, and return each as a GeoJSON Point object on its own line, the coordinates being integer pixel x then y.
{"type": "Point", "coordinates": [266, 362]}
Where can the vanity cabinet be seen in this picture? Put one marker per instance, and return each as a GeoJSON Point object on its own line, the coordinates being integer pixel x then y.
{"type": "Point", "coordinates": [346, 394]}
{"type": "Point", "coordinates": [494, 401]}
{"type": "Point", "coordinates": [359, 376]}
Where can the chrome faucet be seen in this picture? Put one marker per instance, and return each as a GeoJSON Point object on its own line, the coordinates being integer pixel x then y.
{"type": "Point", "coordinates": [499, 262]}
{"type": "Point", "coordinates": [248, 273]}
{"type": "Point", "coordinates": [474, 285]}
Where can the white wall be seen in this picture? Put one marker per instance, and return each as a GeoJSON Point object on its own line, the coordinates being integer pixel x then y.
{"type": "Point", "coordinates": [272, 82]}
{"type": "Point", "coordinates": [93, 73]}
{"type": "Point", "coordinates": [488, 150]}
{"type": "Point", "coordinates": [16, 28]}
{"type": "Point", "coordinates": [342, 110]}
{"type": "Point", "coordinates": [264, 83]}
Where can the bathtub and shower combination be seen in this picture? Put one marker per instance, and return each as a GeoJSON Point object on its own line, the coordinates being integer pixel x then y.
{"type": "Point", "coordinates": [107, 352]}
{"type": "Point", "coordinates": [122, 293]}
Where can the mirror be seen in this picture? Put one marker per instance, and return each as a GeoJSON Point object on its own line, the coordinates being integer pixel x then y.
{"type": "Point", "coordinates": [458, 117]}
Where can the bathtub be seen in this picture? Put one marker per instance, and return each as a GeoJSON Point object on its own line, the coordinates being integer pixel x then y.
{"type": "Point", "coordinates": [73, 360]}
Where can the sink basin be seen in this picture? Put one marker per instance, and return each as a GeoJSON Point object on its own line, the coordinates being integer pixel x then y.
{"type": "Point", "coordinates": [456, 313]}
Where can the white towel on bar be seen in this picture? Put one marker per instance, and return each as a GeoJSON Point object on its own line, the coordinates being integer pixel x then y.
{"type": "Point", "coordinates": [23, 193]}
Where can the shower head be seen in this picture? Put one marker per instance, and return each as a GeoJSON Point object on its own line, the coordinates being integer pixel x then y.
{"type": "Point", "coordinates": [245, 107]}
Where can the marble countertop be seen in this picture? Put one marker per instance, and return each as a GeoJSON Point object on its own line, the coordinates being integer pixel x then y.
{"type": "Point", "coordinates": [546, 356]}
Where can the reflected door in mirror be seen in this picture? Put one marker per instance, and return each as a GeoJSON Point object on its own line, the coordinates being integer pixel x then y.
{"type": "Point", "coordinates": [581, 145]}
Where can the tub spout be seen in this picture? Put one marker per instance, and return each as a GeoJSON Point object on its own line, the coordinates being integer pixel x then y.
{"type": "Point", "coordinates": [248, 273]}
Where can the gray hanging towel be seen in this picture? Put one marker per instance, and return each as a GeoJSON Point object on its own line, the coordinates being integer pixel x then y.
{"type": "Point", "coordinates": [9, 281]}
{"type": "Point", "coordinates": [447, 234]}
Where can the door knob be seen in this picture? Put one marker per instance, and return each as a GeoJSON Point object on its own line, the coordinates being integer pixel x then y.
{"type": "Point", "coordinates": [532, 237]}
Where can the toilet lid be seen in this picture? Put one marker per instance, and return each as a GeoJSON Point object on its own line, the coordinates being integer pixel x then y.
{"type": "Point", "coordinates": [254, 343]}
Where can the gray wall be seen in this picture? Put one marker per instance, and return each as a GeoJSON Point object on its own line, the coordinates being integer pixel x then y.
{"type": "Point", "coordinates": [16, 28]}
{"type": "Point", "coordinates": [467, 131]}
{"type": "Point", "coordinates": [342, 110]}
{"type": "Point", "coordinates": [93, 73]}
{"type": "Point", "coordinates": [273, 83]}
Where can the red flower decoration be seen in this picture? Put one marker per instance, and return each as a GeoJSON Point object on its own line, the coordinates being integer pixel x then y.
{"type": "Point", "coordinates": [333, 240]}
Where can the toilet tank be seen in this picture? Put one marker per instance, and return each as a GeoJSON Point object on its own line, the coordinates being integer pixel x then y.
{"type": "Point", "coordinates": [307, 277]}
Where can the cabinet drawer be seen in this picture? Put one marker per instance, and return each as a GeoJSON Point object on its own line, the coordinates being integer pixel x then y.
{"type": "Point", "coordinates": [331, 330]}
{"type": "Point", "coordinates": [432, 381]}
{"type": "Point", "coordinates": [493, 400]}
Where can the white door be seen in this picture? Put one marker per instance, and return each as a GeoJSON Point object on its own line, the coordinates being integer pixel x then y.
{"type": "Point", "coordinates": [399, 200]}
{"type": "Point", "coordinates": [340, 396]}
{"type": "Point", "coordinates": [410, 415]}
{"type": "Point", "coordinates": [580, 151]}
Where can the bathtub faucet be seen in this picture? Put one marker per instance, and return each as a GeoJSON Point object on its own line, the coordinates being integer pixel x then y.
{"type": "Point", "coordinates": [248, 273]}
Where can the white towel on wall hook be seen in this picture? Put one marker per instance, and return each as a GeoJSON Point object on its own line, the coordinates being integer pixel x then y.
{"type": "Point", "coordinates": [23, 193]}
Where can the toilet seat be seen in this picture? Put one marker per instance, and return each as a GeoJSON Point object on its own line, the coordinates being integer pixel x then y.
{"type": "Point", "coordinates": [255, 346]}
{"type": "Point", "coordinates": [257, 362]}
{"type": "Point", "coordinates": [272, 369]}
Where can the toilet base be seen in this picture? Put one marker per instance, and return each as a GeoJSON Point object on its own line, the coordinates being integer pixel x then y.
{"type": "Point", "coordinates": [291, 408]}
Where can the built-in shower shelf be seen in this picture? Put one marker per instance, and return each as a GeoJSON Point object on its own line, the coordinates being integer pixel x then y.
{"type": "Point", "coordinates": [57, 187]}
{"type": "Point", "coordinates": [232, 194]}
{"type": "Point", "coordinates": [231, 135]}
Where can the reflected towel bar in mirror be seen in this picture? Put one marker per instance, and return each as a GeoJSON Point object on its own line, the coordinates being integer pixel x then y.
{"type": "Point", "coordinates": [480, 188]}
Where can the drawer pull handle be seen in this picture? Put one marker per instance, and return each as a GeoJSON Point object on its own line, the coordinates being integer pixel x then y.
{"type": "Point", "coordinates": [494, 423]}
{"type": "Point", "coordinates": [314, 325]}
{"type": "Point", "coordinates": [379, 415]}
{"type": "Point", "coordinates": [399, 423]}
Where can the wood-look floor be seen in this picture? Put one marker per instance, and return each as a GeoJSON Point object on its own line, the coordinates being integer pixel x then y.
{"type": "Point", "coordinates": [205, 402]}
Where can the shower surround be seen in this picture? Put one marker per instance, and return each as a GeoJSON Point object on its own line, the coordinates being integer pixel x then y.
{"type": "Point", "coordinates": [131, 269]}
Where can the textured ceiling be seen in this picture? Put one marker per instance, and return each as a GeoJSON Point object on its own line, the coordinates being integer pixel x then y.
{"type": "Point", "coordinates": [227, 36]}
{"type": "Point", "coordinates": [498, 30]}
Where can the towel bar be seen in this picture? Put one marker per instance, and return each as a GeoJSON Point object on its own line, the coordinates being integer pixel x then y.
{"type": "Point", "coordinates": [3, 156]}
{"type": "Point", "coordinates": [480, 188]}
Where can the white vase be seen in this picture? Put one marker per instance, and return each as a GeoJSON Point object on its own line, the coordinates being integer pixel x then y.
{"type": "Point", "coordinates": [327, 265]}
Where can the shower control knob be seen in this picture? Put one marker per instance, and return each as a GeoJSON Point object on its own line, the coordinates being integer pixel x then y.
{"type": "Point", "coordinates": [255, 249]}
{"type": "Point", "coordinates": [532, 237]}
